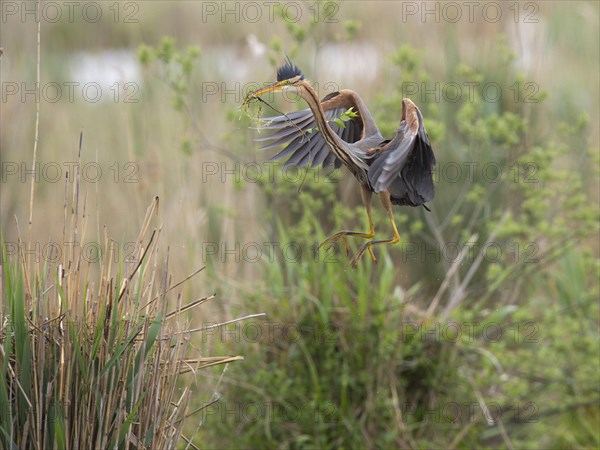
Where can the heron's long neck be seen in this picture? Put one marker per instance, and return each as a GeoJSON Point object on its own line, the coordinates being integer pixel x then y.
{"type": "Point", "coordinates": [335, 143]}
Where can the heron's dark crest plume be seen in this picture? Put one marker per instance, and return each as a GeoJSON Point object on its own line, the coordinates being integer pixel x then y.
{"type": "Point", "coordinates": [289, 70]}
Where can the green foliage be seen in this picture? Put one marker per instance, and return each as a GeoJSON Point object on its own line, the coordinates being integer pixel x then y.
{"type": "Point", "coordinates": [345, 117]}
{"type": "Point", "coordinates": [339, 366]}
{"type": "Point", "coordinates": [341, 120]}
{"type": "Point", "coordinates": [175, 68]}
{"type": "Point", "coordinates": [352, 27]}
{"type": "Point", "coordinates": [311, 26]}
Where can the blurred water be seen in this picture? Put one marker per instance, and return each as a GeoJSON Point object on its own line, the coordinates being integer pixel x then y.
{"type": "Point", "coordinates": [238, 61]}
{"type": "Point", "coordinates": [529, 44]}
{"type": "Point", "coordinates": [349, 63]}
{"type": "Point", "coordinates": [113, 70]}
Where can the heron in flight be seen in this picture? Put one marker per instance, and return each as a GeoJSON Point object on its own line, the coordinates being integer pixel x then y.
{"type": "Point", "coordinates": [399, 169]}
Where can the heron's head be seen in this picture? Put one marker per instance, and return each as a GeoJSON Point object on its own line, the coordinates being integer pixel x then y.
{"type": "Point", "coordinates": [289, 77]}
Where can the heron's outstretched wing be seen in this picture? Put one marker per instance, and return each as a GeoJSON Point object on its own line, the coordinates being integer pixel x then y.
{"type": "Point", "coordinates": [404, 166]}
{"type": "Point", "coordinates": [305, 144]}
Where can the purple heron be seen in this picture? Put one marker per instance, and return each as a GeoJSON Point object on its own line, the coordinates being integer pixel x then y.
{"type": "Point", "coordinates": [399, 169]}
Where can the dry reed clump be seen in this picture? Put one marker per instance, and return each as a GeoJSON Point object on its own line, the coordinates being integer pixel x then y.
{"type": "Point", "coordinates": [90, 354]}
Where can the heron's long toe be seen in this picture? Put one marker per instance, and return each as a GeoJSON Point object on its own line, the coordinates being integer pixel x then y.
{"type": "Point", "coordinates": [332, 240]}
{"type": "Point", "coordinates": [361, 251]}
{"type": "Point", "coordinates": [343, 235]}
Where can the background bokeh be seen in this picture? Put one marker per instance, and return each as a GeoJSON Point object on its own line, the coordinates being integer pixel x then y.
{"type": "Point", "coordinates": [509, 90]}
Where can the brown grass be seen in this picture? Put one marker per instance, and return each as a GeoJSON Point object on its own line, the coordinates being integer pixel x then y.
{"type": "Point", "coordinates": [93, 355]}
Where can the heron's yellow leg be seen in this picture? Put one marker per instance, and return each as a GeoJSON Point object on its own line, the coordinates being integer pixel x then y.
{"type": "Point", "coordinates": [366, 198]}
{"type": "Point", "coordinates": [387, 204]}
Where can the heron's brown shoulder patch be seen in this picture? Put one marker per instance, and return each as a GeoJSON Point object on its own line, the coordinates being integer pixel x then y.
{"type": "Point", "coordinates": [409, 113]}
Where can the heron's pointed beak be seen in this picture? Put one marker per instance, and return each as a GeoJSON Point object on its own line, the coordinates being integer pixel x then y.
{"type": "Point", "coordinates": [277, 86]}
